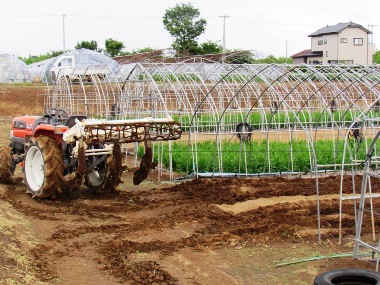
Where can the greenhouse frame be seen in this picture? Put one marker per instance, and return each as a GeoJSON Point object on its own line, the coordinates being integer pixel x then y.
{"type": "Point", "coordinates": [243, 120]}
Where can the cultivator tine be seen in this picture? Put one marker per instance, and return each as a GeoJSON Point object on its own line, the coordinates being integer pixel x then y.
{"type": "Point", "coordinates": [145, 166]}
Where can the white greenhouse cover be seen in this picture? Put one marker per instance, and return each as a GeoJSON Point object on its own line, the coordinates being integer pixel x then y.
{"type": "Point", "coordinates": [12, 69]}
{"type": "Point", "coordinates": [84, 58]}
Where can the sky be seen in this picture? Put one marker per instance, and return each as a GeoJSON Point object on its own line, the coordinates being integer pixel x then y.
{"type": "Point", "coordinates": [276, 27]}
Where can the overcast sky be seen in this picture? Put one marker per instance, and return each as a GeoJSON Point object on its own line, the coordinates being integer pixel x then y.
{"type": "Point", "coordinates": [277, 27]}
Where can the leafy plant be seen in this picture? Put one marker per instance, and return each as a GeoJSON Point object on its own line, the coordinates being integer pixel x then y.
{"type": "Point", "coordinates": [255, 156]}
{"type": "Point", "coordinates": [91, 45]}
{"type": "Point", "coordinates": [113, 47]}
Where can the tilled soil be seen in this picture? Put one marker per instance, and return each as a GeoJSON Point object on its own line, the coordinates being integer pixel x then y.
{"type": "Point", "coordinates": [202, 231]}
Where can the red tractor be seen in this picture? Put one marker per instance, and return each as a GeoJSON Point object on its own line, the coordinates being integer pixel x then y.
{"type": "Point", "coordinates": [52, 146]}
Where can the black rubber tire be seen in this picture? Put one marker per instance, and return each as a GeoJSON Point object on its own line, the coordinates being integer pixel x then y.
{"type": "Point", "coordinates": [5, 165]}
{"type": "Point", "coordinates": [43, 176]}
{"type": "Point", "coordinates": [348, 277]}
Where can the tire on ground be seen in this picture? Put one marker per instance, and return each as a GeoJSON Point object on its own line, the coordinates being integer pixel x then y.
{"type": "Point", "coordinates": [44, 168]}
{"type": "Point", "coordinates": [348, 276]}
{"type": "Point", "coordinates": [5, 165]}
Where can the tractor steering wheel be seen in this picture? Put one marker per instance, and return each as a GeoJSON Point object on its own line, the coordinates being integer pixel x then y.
{"type": "Point", "coordinates": [60, 113]}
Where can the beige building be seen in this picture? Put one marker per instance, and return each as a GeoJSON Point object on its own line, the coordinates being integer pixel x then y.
{"type": "Point", "coordinates": [344, 43]}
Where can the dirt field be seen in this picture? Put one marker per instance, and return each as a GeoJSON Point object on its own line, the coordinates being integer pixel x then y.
{"type": "Point", "coordinates": [219, 231]}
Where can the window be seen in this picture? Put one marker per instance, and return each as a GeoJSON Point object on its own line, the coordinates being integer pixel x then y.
{"type": "Point", "coordinates": [66, 62]}
{"type": "Point", "coordinates": [358, 41]}
{"type": "Point", "coordinates": [320, 42]}
{"type": "Point", "coordinates": [327, 55]}
{"type": "Point", "coordinates": [343, 40]}
{"type": "Point", "coordinates": [325, 41]}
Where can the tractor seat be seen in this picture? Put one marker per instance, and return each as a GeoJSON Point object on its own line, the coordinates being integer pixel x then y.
{"type": "Point", "coordinates": [70, 122]}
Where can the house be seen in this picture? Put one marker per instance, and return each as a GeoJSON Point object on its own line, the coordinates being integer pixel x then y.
{"type": "Point", "coordinates": [343, 43]}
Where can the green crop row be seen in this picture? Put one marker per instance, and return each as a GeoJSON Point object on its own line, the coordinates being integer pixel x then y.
{"type": "Point", "coordinates": [255, 157]}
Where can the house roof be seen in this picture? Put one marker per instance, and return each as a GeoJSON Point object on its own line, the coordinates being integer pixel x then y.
{"type": "Point", "coordinates": [307, 53]}
{"type": "Point", "coordinates": [336, 29]}
{"type": "Point", "coordinates": [301, 53]}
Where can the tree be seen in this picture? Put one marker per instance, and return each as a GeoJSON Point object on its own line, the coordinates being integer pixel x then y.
{"type": "Point", "coordinates": [33, 58]}
{"type": "Point", "coordinates": [272, 59]}
{"type": "Point", "coordinates": [113, 47]}
{"type": "Point", "coordinates": [91, 45]}
{"type": "Point", "coordinates": [210, 47]}
{"type": "Point", "coordinates": [376, 57]}
{"type": "Point", "coordinates": [181, 22]}
{"type": "Point", "coordinates": [142, 50]}
{"type": "Point", "coordinates": [249, 58]}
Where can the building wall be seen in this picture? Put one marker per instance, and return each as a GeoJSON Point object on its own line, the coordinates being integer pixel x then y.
{"type": "Point", "coordinates": [298, 60]}
{"type": "Point", "coordinates": [358, 54]}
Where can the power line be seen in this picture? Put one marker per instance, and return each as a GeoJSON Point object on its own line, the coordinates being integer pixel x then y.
{"type": "Point", "coordinates": [28, 16]}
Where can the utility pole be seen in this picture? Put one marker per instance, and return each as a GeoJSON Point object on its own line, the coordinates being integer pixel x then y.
{"type": "Point", "coordinates": [64, 40]}
{"type": "Point", "coordinates": [286, 52]}
{"type": "Point", "coordinates": [370, 28]}
{"type": "Point", "coordinates": [224, 33]}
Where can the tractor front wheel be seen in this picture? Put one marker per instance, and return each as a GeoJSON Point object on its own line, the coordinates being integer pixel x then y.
{"type": "Point", "coordinates": [43, 167]}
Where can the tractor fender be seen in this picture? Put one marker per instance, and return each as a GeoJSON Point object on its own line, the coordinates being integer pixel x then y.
{"type": "Point", "coordinates": [55, 132]}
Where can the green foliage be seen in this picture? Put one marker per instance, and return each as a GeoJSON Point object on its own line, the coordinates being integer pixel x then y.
{"type": "Point", "coordinates": [183, 24]}
{"type": "Point", "coordinates": [249, 58]}
{"type": "Point", "coordinates": [143, 50]}
{"type": "Point", "coordinates": [91, 45]}
{"type": "Point", "coordinates": [271, 59]}
{"type": "Point", "coordinates": [376, 57]}
{"type": "Point", "coordinates": [255, 156]}
{"type": "Point", "coordinates": [209, 47]}
{"type": "Point", "coordinates": [244, 58]}
{"type": "Point", "coordinates": [33, 58]}
{"type": "Point", "coordinates": [113, 47]}
{"type": "Point", "coordinates": [137, 51]}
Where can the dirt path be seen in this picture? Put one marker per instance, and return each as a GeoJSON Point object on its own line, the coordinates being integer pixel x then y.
{"type": "Point", "coordinates": [251, 205]}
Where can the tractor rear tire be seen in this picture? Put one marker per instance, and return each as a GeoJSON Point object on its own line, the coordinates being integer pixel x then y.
{"type": "Point", "coordinates": [44, 168]}
{"type": "Point", "coordinates": [348, 276]}
{"type": "Point", "coordinates": [5, 165]}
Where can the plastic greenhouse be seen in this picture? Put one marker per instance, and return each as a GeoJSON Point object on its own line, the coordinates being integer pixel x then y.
{"type": "Point", "coordinates": [12, 69]}
{"type": "Point", "coordinates": [84, 58]}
